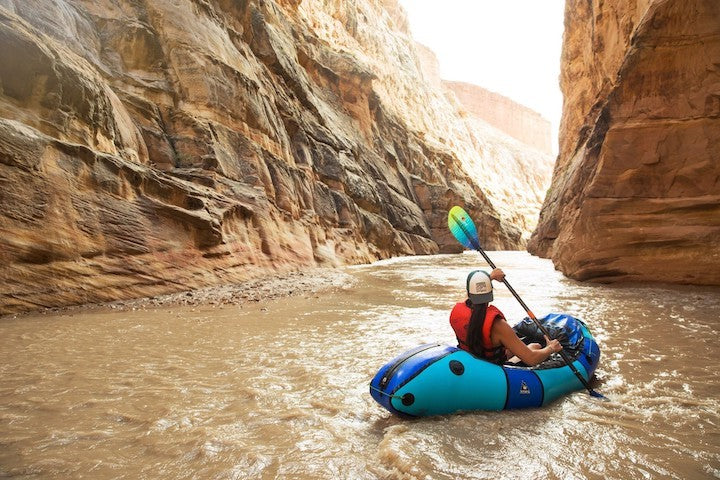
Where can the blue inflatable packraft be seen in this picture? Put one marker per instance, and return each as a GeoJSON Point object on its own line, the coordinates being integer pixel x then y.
{"type": "Point", "coordinates": [437, 379]}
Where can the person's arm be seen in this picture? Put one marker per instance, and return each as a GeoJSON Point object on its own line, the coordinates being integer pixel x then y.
{"type": "Point", "coordinates": [503, 332]}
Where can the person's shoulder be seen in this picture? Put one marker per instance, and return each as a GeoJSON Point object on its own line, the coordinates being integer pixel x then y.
{"type": "Point", "coordinates": [501, 325]}
{"type": "Point", "coordinates": [459, 308]}
{"type": "Point", "coordinates": [493, 310]}
{"type": "Point", "coordinates": [461, 304]}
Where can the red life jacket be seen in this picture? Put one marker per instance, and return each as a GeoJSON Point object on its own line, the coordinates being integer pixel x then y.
{"type": "Point", "coordinates": [460, 321]}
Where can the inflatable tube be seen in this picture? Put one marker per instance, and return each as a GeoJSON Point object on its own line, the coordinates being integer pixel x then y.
{"type": "Point", "coordinates": [437, 379]}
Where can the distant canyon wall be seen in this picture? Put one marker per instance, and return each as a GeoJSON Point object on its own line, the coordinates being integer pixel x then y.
{"type": "Point", "coordinates": [635, 194]}
{"type": "Point", "coordinates": [516, 120]}
{"type": "Point", "coordinates": [151, 147]}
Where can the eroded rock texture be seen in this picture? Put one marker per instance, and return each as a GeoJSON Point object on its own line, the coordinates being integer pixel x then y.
{"type": "Point", "coordinates": [518, 121]}
{"type": "Point", "coordinates": [636, 191]}
{"type": "Point", "coordinates": [156, 146]}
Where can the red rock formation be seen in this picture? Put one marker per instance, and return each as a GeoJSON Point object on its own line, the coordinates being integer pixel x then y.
{"type": "Point", "coordinates": [150, 147]}
{"type": "Point", "coordinates": [636, 191]}
{"type": "Point", "coordinates": [520, 174]}
{"type": "Point", "coordinates": [518, 121]}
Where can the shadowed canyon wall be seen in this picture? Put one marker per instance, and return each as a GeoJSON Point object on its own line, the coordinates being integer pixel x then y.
{"type": "Point", "coordinates": [155, 146]}
{"type": "Point", "coordinates": [635, 194]}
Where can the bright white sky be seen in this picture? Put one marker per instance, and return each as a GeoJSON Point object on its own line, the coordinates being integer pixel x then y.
{"type": "Point", "coordinates": [511, 47]}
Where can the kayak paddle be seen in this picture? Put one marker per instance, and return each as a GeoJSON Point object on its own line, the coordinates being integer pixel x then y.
{"type": "Point", "coordinates": [463, 229]}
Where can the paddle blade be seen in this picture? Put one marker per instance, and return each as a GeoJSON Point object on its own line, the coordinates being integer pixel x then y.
{"type": "Point", "coordinates": [463, 228]}
{"type": "Point", "coordinates": [595, 394]}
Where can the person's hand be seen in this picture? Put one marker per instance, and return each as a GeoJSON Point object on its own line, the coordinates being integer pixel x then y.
{"type": "Point", "coordinates": [553, 344]}
{"type": "Point", "coordinates": [497, 275]}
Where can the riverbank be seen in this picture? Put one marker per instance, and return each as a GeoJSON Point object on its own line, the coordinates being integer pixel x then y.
{"type": "Point", "coordinates": [305, 283]}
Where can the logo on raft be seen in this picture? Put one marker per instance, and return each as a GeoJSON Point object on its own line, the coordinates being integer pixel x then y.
{"type": "Point", "coordinates": [524, 390]}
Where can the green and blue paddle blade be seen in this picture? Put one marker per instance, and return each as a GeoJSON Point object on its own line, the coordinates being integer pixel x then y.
{"type": "Point", "coordinates": [463, 228]}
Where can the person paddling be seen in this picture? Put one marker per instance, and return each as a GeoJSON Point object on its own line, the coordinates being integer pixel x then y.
{"type": "Point", "coordinates": [482, 330]}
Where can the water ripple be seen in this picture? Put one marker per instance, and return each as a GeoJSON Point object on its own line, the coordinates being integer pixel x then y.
{"type": "Point", "coordinates": [280, 390]}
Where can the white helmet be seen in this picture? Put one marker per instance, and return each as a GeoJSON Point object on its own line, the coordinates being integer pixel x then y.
{"type": "Point", "coordinates": [479, 287]}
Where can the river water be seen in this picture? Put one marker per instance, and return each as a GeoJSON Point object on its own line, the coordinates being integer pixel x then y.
{"type": "Point", "coordinates": [280, 389]}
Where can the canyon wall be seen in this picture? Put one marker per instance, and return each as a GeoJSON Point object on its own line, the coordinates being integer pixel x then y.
{"type": "Point", "coordinates": [635, 194]}
{"type": "Point", "coordinates": [518, 173]}
{"type": "Point", "coordinates": [518, 121]}
{"type": "Point", "coordinates": [429, 65]}
{"type": "Point", "coordinates": [148, 147]}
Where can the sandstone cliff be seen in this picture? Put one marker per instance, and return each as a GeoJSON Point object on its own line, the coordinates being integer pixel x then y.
{"type": "Point", "coordinates": [156, 146]}
{"type": "Point", "coordinates": [519, 176]}
{"type": "Point", "coordinates": [636, 191]}
{"type": "Point", "coordinates": [518, 121]}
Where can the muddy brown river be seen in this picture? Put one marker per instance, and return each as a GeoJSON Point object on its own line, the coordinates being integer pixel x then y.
{"type": "Point", "coordinates": [280, 389]}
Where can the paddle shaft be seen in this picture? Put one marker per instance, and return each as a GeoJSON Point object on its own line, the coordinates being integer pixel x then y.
{"type": "Point", "coordinates": [563, 354]}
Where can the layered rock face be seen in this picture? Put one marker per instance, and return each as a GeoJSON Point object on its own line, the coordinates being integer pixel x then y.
{"type": "Point", "coordinates": [150, 147]}
{"type": "Point", "coordinates": [518, 176]}
{"type": "Point", "coordinates": [636, 191]}
{"type": "Point", "coordinates": [518, 121]}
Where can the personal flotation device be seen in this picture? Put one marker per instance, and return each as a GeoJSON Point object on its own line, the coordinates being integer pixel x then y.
{"type": "Point", "coordinates": [460, 321]}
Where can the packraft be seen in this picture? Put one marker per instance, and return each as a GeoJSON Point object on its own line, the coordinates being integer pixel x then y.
{"type": "Point", "coordinates": [437, 379]}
